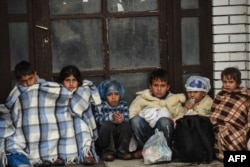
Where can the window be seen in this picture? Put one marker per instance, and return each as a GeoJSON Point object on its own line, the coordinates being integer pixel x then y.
{"type": "Point", "coordinates": [120, 39]}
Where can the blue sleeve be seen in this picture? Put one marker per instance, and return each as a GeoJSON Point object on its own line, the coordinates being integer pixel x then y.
{"type": "Point", "coordinates": [123, 108]}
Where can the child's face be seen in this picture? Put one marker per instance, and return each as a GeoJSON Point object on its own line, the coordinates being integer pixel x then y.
{"type": "Point", "coordinates": [28, 80]}
{"type": "Point", "coordinates": [196, 95]}
{"type": "Point", "coordinates": [113, 99]}
{"type": "Point", "coordinates": [159, 88]}
{"type": "Point", "coordinates": [70, 83]}
{"type": "Point", "coordinates": [229, 84]}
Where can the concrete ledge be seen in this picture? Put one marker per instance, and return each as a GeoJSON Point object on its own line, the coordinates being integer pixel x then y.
{"type": "Point", "coordinates": [139, 163]}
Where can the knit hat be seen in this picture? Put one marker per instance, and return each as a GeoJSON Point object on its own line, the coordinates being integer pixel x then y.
{"type": "Point", "coordinates": [110, 86]}
{"type": "Point", "coordinates": [198, 83]}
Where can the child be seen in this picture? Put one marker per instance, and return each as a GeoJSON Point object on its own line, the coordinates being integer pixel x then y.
{"type": "Point", "coordinates": [154, 97]}
{"type": "Point", "coordinates": [71, 79]}
{"type": "Point", "coordinates": [230, 114]}
{"type": "Point", "coordinates": [114, 131]}
{"type": "Point", "coordinates": [199, 102]}
{"type": "Point", "coordinates": [26, 76]}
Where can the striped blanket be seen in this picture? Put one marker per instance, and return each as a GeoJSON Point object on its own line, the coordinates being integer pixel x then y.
{"type": "Point", "coordinates": [46, 121]}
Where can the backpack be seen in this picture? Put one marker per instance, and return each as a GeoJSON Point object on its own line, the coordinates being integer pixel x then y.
{"type": "Point", "coordinates": [193, 139]}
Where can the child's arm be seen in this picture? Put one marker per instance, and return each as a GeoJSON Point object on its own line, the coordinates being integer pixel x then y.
{"type": "Point", "coordinates": [121, 113]}
{"type": "Point", "coordinates": [102, 115]}
{"type": "Point", "coordinates": [123, 109]}
{"type": "Point", "coordinates": [117, 117]}
{"type": "Point", "coordinates": [135, 107]}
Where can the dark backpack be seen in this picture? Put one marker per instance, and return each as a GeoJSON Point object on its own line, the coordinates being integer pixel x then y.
{"type": "Point", "coordinates": [193, 140]}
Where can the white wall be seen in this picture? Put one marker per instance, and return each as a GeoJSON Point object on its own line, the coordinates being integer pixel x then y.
{"type": "Point", "coordinates": [231, 38]}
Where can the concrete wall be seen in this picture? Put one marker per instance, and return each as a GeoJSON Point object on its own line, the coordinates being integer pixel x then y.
{"type": "Point", "coordinates": [231, 38]}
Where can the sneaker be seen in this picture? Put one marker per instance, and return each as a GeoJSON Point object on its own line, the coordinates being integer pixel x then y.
{"type": "Point", "coordinates": [18, 160]}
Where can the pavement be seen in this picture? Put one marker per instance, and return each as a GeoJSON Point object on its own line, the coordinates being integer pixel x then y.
{"type": "Point", "coordinates": [140, 163]}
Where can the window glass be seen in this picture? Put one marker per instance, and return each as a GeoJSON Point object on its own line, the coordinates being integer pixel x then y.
{"type": "Point", "coordinates": [75, 6]}
{"type": "Point", "coordinates": [189, 4]}
{"type": "Point", "coordinates": [77, 42]}
{"type": "Point", "coordinates": [18, 35]}
{"type": "Point", "coordinates": [136, 82]}
{"type": "Point", "coordinates": [131, 5]}
{"type": "Point", "coordinates": [132, 40]}
{"type": "Point", "coordinates": [190, 40]}
{"type": "Point", "coordinates": [17, 6]}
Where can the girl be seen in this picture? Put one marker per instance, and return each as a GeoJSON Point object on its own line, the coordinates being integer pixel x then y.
{"type": "Point", "coordinates": [70, 78]}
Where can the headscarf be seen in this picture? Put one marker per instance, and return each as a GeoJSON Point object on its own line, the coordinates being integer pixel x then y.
{"type": "Point", "coordinates": [110, 86]}
{"type": "Point", "coordinates": [198, 83]}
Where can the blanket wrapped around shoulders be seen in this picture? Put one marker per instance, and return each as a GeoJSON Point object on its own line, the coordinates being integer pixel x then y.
{"type": "Point", "coordinates": [230, 117]}
{"type": "Point", "coordinates": [46, 121]}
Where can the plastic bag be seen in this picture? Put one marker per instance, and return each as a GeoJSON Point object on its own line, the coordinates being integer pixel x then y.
{"type": "Point", "coordinates": [156, 149]}
{"type": "Point", "coordinates": [132, 144]}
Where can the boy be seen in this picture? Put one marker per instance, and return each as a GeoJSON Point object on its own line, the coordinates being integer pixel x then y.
{"type": "Point", "coordinates": [230, 114]}
{"type": "Point", "coordinates": [154, 97]}
{"type": "Point", "coordinates": [114, 131]}
{"type": "Point", "coordinates": [199, 102]}
{"type": "Point", "coordinates": [26, 76]}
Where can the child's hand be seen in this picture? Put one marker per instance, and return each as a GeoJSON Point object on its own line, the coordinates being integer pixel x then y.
{"type": "Point", "coordinates": [190, 104]}
{"type": "Point", "coordinates": [117, 117]}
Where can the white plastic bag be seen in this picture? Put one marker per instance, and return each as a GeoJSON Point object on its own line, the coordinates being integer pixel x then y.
{"type": "Point", "coordinates": [132, 144]}
{"type": "Point", "coordinates": [156, 149]}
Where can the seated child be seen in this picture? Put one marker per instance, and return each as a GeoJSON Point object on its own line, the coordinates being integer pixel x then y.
{"type": "Point", "coordinates": [26, 76]}
{"type": "Point", "coordinates": [198, 102]}
{"type": "Point", "coordinates": [114, 131]}
{"type": "Point", "coordinates": [230, 114]}
{"type": "Point", "coordinates": [154, 97]}
{"type": "Point", "coordinates": [70, 77]}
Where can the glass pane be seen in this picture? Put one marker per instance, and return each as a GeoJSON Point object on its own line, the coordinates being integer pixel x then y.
{"type": "Point", "coordinates": [184, 79]}
{"type": "Point", "coordinates": [132, 40]}
{"type": "Point", "coordinates": [190, 41]}
{"type": "Point", "coordinates": [136, 82]}
{"type": "Point", "coordinates": [77, 42]}
{"type": "Point", "coordinates": [95, 79]}
{"type": "Point", "coordinates": [75, 6]}
{"type": "Point", "coordinates": [189, 4]}
{"type": "Point", "coordinates": [19, 41]}
{"type": "Point", "coordinates": [131, 5]}
{"type": "Point", "coordinates": [17, 6]}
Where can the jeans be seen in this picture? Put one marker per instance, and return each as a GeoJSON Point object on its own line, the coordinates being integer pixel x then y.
{"type": "Point", "coordinates": [18, 160]}
{"type": "Point", "coordinates": [143, 131]}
